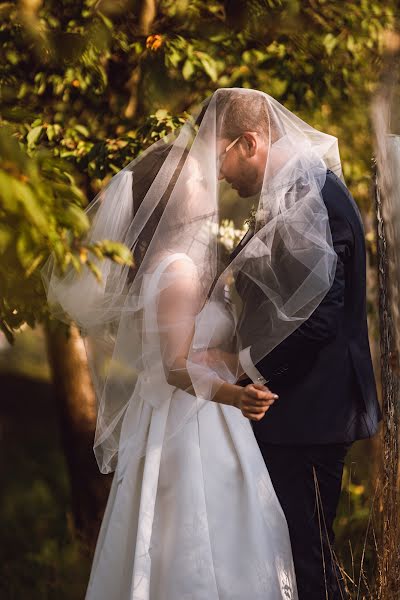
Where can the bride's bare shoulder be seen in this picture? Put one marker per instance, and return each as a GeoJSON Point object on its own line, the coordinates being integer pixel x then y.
{"type": "Point", "coordinates": [182, 264]}
{"type": "Point", "coordinates": [180, 279]}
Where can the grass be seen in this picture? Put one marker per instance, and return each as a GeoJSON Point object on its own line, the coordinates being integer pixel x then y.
{"type": "Point", "coordinates": [40, 557]}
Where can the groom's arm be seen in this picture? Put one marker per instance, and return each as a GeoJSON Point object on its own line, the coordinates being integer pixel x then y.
{"type": "Point", "coordinates": [293, 357]}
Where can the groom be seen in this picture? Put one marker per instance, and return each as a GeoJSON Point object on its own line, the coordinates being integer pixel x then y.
{"type": "Point", "coordinates": [324, 378]}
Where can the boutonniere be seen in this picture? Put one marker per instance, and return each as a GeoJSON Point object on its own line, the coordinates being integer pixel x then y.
{"type": "Point", "coordinates": [251, 219]}
{"type": "Point", "coordinates": [257, 218]}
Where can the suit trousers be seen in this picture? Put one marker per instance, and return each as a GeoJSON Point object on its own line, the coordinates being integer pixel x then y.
{"type": "Point", "coordinates": [307, 481]}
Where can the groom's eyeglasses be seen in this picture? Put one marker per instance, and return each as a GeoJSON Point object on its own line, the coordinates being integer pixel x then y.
{"type": "Point", "coordinates": [221, 157]}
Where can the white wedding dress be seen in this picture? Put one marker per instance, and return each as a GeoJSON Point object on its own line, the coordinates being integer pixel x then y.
{"type": "Point", "coordinates": [196, 518]}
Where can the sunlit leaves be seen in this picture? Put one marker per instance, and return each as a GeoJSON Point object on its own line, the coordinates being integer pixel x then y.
{"type": "Point", "coordinates": [330, 42]}
{"type": "Point", "coordinates": [73, 219]}
{"type": "Point", "coordinates": [192, 58]}
{"type": "Point", "coordinates": [113, 250]}
{"type": "Point", "coordinates": [41, 212]}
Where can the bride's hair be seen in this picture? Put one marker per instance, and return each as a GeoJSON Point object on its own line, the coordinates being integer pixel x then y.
{"type": "Point", "coordinates": [143, 175]}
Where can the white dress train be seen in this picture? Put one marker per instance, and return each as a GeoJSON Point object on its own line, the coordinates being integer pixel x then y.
{"type": "Point", "coordinates": [197, 517]}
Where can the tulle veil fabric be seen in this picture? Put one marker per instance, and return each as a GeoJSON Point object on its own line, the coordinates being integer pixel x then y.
{"type": "Point", "coordinates": [167, 202]}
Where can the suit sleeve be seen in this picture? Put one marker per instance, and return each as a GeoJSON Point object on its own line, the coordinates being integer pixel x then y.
{"type": "Point", "coordinates": [293, 357]}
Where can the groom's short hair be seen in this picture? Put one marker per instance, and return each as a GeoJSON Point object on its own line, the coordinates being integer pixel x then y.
{"type": "Point", "coordinates": [240, 110]}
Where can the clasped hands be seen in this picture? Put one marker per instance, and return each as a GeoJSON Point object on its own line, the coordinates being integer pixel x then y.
{"type": "Point", "coordinates": [254, 399]}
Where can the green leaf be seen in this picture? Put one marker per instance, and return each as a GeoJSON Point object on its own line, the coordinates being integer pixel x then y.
{"type": "Point", "coordinates": [59, 251]}
{"type": "Point", "coordinates": [34, 135]}
{"type": "Point", "coordinates": [36, 262]}
{"type": "Point", "coordinates": [26, 197]}
{"type": "Point", "coordinates": [188, 69]}
{"type": "Point", "coordinates": [7, 196]}
{"type": "Point", "coordinates": [6, 235]}
{"type": "Point", "coordinates": [118, 252]}
{"type": "Point", "coordinates": [83, 130]}
{"type": "Point", "coordinates": [253, 57]}
{"type": "Point", "coordinates": [50, 132]}
{"type": "Point", "coordinates": [209, 65]}
{"type": "Point", "coordinates": [95, 270]}
{"type": "Point", "coordinates": [329, 42]}
{"type": "Point", "coordinates": [76, 263]}
{"type": "Point", "coordinates": [25, 249]}
{"type": "Point", "coordinates": [174, 58]}
{"type": "Point", "coordinates": [108, 23]}
{"type": "Point", "coordinates": [12, 57]}
{"type": "Point", "coordinates": [75, 218]}
{"type": "Point", "coordinates": [277, 86]}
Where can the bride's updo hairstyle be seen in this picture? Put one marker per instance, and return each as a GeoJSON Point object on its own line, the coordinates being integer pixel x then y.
{"type": "Point", "coordinates": [142, 179]}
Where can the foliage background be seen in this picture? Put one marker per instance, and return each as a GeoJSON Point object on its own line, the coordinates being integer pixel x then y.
{"type": "Point", "coordinates": [85, 85]}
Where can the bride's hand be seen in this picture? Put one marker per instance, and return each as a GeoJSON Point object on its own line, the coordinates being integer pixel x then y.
{"type": "Point", "coordinates": [254, 400]}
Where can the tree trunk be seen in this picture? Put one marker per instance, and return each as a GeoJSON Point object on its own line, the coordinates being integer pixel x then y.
{"type": "Point", "coordinates": [386, 114]}
{"type": "Point", "coordinates": [146, 18]}
{"type": "Point", "coordinates": [389, 559]}
{"type": "Point", "coordinates": [373, 446]}
{"type": "Point", "coordinates": [147, 14]}
{"type": "Point", "coordinates": [77, 411]}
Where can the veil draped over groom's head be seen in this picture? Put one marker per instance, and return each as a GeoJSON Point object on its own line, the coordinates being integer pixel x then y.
{"type": "Point", "coordinates": [168, 202]}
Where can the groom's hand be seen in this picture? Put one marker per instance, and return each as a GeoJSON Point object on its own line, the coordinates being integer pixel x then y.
{"type": "Point", "coordinates": [254, 400]}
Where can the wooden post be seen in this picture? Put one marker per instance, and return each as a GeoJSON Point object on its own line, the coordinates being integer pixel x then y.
{"type": "Point", "coordinates": [388, 247]}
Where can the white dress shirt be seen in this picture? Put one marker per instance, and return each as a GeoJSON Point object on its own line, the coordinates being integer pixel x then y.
{"type": "Point", "coordinates": [249, 368]}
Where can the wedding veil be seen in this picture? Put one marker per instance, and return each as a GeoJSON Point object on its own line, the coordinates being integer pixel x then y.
{"type": "Point", "coordinates": [167, 202]}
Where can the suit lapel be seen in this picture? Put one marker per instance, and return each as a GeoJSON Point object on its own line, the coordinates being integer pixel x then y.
{"type": "Point", "coordinates": [245, 239]}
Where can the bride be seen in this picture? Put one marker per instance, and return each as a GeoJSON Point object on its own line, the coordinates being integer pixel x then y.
{"type": "Point", "coordinates": [192, 514]}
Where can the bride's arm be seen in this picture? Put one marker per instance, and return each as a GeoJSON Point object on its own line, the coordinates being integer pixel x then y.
{"type": "Point", "coordinates": [178, 305]}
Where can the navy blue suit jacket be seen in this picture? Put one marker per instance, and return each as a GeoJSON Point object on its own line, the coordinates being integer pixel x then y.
{"type": "Point", "coordinates": [323, 371]}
